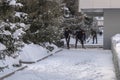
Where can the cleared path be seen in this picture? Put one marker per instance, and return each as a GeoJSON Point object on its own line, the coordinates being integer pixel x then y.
{"type": "Point", "coordinates": [73, 64]}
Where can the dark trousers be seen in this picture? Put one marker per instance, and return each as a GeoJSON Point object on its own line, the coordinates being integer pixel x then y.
{"type": "Point", "coordinates": [95, 39]}
{"type": "Point", "coordinates": [81, 41]}
{"type": "Point", "coordinates": [67, 41]}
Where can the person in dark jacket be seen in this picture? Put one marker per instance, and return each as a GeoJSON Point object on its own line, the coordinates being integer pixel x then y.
{"type": "Point", "coordinates": [79, 36]}
{"type": "Point", "coordinates": [84, 36]}
{"type": "Point", "coordinates": [67, 33]}
{"type": "Point", "coordinates": [94, 35]}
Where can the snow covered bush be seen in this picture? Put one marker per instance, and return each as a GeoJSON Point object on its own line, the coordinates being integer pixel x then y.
{"type": "Point", "coordinates": [44, 17]}
{"type": "Point", "coordinates": [5, 9]}
{"type": "Point", "coordinates": [28, 21]}
{"type": "Point", "coordinates": [10, 38]}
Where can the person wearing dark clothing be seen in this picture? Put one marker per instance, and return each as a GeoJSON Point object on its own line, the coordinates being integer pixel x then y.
{"type": "Point", "coordinates": [67, 33]}
{"type": "Point", "coordinates": [79, 36]}
{"type": "Point", "coordinates": [84, 36]}
{"type": "Point", "coordinates": [100, 33]}
{"type": "Point", "coordinates": [94, 35]}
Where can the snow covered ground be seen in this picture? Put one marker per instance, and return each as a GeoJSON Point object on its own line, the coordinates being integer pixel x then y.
{"type": "Point", "coordinates": [29, 53]}
{"type": "Point", "coordinates": [116, 43]}
{"type": "Point", "coordinates": [32, 52]}
{"type": "Point", "coordinates": [116, 53]}
{"type": "Point", "coordinates": [73, 64]}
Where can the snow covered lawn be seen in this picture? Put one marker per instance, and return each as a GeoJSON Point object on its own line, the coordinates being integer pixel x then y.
{"type": "Point", "coordinates": [29, 53]}
{"type": "Point", "coordinates": [73, 64]}
{"type": "Point", "coordinates": [32, 53]}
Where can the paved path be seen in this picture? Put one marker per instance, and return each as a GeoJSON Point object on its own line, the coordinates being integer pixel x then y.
{"type": "Point", "coordinates": [73, 64]}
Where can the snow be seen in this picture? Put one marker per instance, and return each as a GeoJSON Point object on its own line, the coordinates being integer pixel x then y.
{"type": "Point", "coordinates": [116, 39]}
{"type": "Point", "coordinates": [8, 61]}
{"type": "Point", "coordinates": [18, 33]}
{"type": "Point", "coordinates": [2, 24]}
{"type": "Point", "coordinates": [6, 32]}
{"type": "Point", "coordinates": [69, 64]}
{"type": "Point", "coordinates": [116, 46]}
{"type": "Point", "coordinates": [19, 4]}
{"type": "Point", "coordinates": [65, 8]}
{"type": "Point", "coordinates": [14, 3]}
{"type": "Point", "coordinates": [99, 18]}
{"type": "Point", "coordinates": [32, 52]}
{"type": "Point", "coordinates": [19, 29]}
{"type": "Point", "coordinates": [18, 14]}
{"type": "Point", "coordinates": [116, 42]}
{"type": "Point", "coordinates": [12, 25]}
{"type": "Point", "coordinates": [73, 64]}
{"type": "Point", "coordinates": [22, 25]}
{"type": "Point", "coordinates": [54, 46]}
{"type": "Point", "coordinates": [2, 47]}
{"type": "Point", "coordinates": [29, 53]}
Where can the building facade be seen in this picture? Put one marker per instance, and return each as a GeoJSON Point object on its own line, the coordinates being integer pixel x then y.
{"type": "Point", "coordinates": [111, 14]}
{"type": "Point", "coordinates": [93, 4]}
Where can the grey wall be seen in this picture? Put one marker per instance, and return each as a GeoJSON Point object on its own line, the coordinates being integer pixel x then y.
{"type": "Point", "coordinates": [93, 4]}
{"type": "Point", "coordinates": [111, 25]}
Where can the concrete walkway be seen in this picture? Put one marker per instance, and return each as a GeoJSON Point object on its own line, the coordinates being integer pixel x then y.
{"type": "Point", "coordinates": [72, 64]}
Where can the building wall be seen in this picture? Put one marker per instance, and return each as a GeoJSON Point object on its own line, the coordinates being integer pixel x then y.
{"type": "Point", "coordinates": [111, 25]}
{"type": "Point", "coordinates": [111, 9]}
{"type": "Point", "coordinates": [90, 4]}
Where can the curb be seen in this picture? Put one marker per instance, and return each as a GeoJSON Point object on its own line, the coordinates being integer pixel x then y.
{"type": "Point", "coordinates": [58, 51]}
{"type": "Point", "coordinates": [25, 62]}
{"type": "Point", "coordinates": [44, 58]}
{"type": "Point", "coordinates": [49, 55]}
{"type": "Point", "coordinates": [13, 72]}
